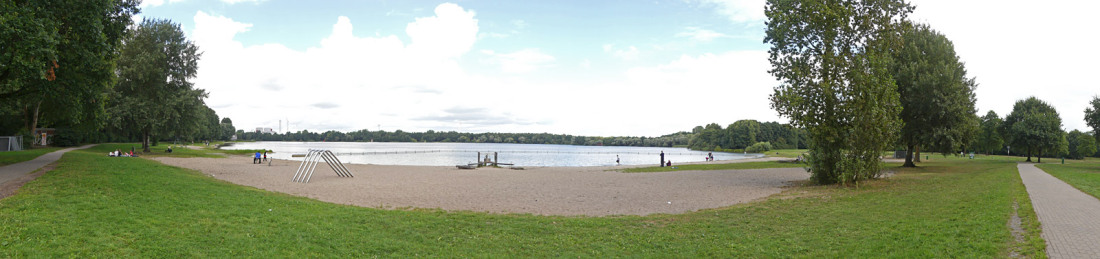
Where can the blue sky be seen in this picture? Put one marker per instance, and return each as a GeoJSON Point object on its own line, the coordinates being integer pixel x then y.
{"type": "Point", "coordinates": [571, 31]}
{"type": "Point", "coordinates": [606, 68]}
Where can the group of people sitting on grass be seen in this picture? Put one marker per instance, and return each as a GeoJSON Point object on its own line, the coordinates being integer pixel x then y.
{"type": "Point", "coordinates": [118, 153]}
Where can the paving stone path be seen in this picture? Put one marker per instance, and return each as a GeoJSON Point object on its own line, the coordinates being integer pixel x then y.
{"type": "Point", "coordinates": [14, 171]}
{"type": "Point", "coordinates": [1070, 218]}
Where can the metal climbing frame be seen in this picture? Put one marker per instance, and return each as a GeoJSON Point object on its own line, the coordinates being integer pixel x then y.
{"type": "Point", "coordinates": [305, 169]}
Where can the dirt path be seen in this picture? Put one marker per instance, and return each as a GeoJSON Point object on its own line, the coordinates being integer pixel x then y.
{"type": "Point", "coordinates": [16, 175]}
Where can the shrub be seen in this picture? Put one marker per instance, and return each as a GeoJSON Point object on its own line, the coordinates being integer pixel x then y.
{"type": "Point", "coordinates": [64, 137]}
{"type": "Point", "coordinates": [759, 147]}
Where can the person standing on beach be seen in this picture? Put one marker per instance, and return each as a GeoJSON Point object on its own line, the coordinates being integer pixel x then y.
{"type": "Point", "coordinates": [265, 155]}
{"type": "Point", "coordinates": [256, 160]}
{"type": "Point", "coordinates": [617, 160]}
{"type": "Point", "coordinates": [662, 158]}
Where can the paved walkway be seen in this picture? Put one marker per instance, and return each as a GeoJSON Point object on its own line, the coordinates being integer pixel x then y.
{"type": "Point", "coordinates": [14, 171]}
{"type": "Point", "coordinates": [1070, 218]}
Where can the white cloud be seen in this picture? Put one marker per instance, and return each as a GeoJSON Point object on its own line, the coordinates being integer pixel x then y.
{"type": "Point", "coordinates": [155, 3]}
{"type": "Point", "coordinates": [522, 61]}
{"type": "Point", "coordinates": [449, 34]}
{"type": "Point", "coordinates": [494, 35]}
{"type": "Point", "coordinates": [373, 80]}
{"type": "Point", "coordinates": [217, 30]}
{"type": "Point", "coordinates": [629, 54]}
{"type": "Point", "coordinates": [519, 24]}
{"type": "Point", "coordinates": [737, 80]}
{"type": "Point", "coordinates": [700, 34]}
{"type": "Point", "coordinates": [241, 1]}
{"type": "Point", "coordinates": [689, 91]}
{"type": "Point", "coordinates": [737, 10]}
{"type": "Point", "coordinates": [1043, 54]}
{"type": "Point", "coordinates": [352, 82]}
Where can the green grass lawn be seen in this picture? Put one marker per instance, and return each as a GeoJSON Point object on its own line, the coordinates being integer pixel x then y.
{"type": "Point", "coordinates": [791, 153]}
{"type": "Point", "coordinates": [729, 166]}
{"type": "Point", "coordinates": [12, 157]}
{"type": "Point", "coordinates": [177, 151]}
{"type": "Point", "coordinates": [96, 206]}
{"type": "Point", "coordinates": [726, 166]}
{"type": "Point", "coordinates": [1083, 174]}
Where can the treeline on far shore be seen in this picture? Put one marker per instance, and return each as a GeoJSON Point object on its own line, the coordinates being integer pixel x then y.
{"type": "Point", "coordinates": [670, 140]}
{"type": "Point", "coordinates": [748, 135]}
{"type": "Point", "coordinates": [712, 137]}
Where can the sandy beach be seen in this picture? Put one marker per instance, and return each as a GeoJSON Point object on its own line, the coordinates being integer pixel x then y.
{"type": "Point", "coordinates": [589, 191]}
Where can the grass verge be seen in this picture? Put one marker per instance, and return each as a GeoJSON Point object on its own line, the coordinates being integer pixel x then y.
{"type": "Point", "coordinates": [177, 151]}
{"type": "Point", "coordinates": [1082, 174]}
{"type": "Point", "coordinates": [791, 153]}
{"type": "Point", "coordinates": [726, 166]}
{"type": "Point", "coordinates": [12, 157]}
{"type": "Point", "coordinates": [96, 206]}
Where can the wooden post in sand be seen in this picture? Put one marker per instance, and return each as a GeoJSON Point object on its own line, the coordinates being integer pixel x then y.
{"type": "Point", "coordinates": [495, 159]}
{"type": "Point", "coordinates": [478, 158]}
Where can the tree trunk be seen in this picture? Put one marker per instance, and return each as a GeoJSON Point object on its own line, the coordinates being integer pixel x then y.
{"type": "Point", "coordinates": [1040, 156]}
{"type": "Point", "coordinates": [909, 157]}
{"type": "Point", "coordinates": [1028, 154]}
{"type": "Point", "coordinates": [27, 117]}
{"type": "Point", "coordinates": [34, 122]}
{"type": "Point", "coordinates": [145, 141]}
{"type": "Point", "coordinates": [917, 150]}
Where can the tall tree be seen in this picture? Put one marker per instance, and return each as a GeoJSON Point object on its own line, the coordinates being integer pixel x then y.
{"type": "Point", "coordinates": [154, 94]}
{"type": "Point", "coordinates": [1061, 149]}
{"type": "Point", "coordinates": [742, 133]}
{"type": "Point", "coordinates": [228, 131]}
{"type": "Point", "coordinates": [832, 63]}
{"type": "Point", "coordinates": [1086, 146]}
{"type": "Point", "coordinates": [185, 122]}
{"type": "Point", "coordinates": [1092, 116]}
{"type": "Point", "coordinates": [711, 137]}
{"type": "Point", "coordinates": [937, 98]}
{"type": "Point", "coordinates": [989, 137]}
{"type": "Point", "coordinates": [1073, 139]}
{"type": "Point", "coordinates": [57, 57]}
{"type": "Point", "coordinates": [1033, 125]}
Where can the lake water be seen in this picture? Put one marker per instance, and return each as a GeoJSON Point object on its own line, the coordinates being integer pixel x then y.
{"type": "Point", "coordinates": [449, 154]}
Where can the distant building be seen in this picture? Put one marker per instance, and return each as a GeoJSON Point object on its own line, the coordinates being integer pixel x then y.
{"type": "Point", "coordinates": [265, 130]}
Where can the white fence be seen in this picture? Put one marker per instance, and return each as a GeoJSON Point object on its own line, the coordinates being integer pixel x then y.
{"type": "Point", "coordinates": [11, 143]}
